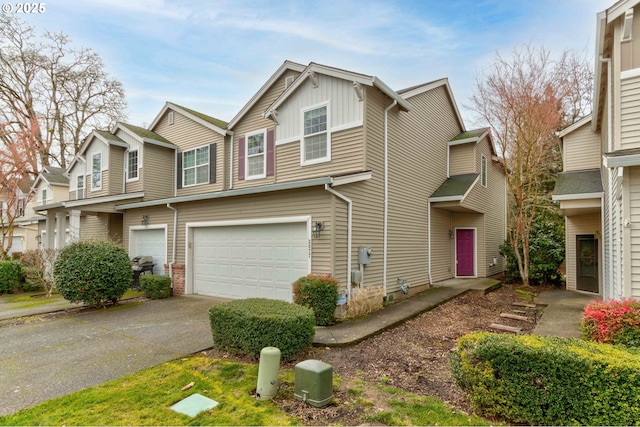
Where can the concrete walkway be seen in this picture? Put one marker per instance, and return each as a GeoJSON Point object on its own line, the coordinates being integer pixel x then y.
{"type": "Point", "coordinates": [563, 313]}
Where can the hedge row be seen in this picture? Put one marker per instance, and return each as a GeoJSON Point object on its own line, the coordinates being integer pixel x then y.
{"type": "Point", "coordinates": [245, 327]}
{"type": "Point", "coordinates": [11, 276]}
{"type": "Point", "coordinates": [548, 380]}
{"type": "Point", "coordinates": [154, 286]}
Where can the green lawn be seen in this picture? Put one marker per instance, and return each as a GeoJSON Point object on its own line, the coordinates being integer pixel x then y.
{"type": "Point", "coordinates": [144, 398]}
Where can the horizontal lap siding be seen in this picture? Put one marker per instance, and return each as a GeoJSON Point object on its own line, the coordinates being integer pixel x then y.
{"type": "Point", "coordinates": [104, 191]}
{"type": "Point", "coordinates": [187, 135]}
{"type": "Point", "coordinates": [629, 110]}
{"type": "Point", "coordinates": [116, 170]}
{"type": "Point", "coordinates": [347, 151]}
{"type": "Point", "coordinates": [94, 227]}
{"type": "Point", "coordinates": [582, 149]}
{"type": "Point", "coordinates": [462, 159]}
{"type": "Point", "coordinates": [580, 224]}
{"type": "Point", "coordinates": [158, 172]}
{"type": "Point", "coordinates": [417, 167]}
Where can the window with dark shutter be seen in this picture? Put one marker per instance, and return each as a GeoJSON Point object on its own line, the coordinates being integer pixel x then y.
{"type": "Point", "coordinates": [179, 174]}
{"type": "Point", "coordinates": [270, 153]}
{"type": "Point", "coordinates": [241, 158]}
{"type": "Point", "coordinates": [212, 163]}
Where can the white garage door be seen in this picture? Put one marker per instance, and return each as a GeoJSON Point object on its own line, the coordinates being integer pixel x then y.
{"type": "Point", "coordinates": [250, 261]}
{"type": "Point", "coordinates": [150, 242]}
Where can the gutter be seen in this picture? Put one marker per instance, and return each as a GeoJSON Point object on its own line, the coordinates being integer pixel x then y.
{"type": "Point", "coordinates": [386, 195]}
{"type": "Point", "coordinates": [175, 241]}
{"type": "Point", "coordinates": [349, 234]}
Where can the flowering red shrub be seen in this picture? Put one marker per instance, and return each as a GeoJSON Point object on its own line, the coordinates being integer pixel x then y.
{"type": "Point", "coordinates": [613, 322]}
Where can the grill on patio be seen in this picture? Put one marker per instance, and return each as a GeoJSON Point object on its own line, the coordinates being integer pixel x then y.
{"type": "Point", "coordinates": [140, 265]}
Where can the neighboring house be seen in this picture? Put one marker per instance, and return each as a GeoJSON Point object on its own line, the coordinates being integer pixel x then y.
{"type": "Point", "coordinates": [323, 171]}
{"type": "Point", "coordinates": [50, 187]}
{"type": "Point", "coordinates": [599, 190]}
{"type": "Point", "coordinates": [25, 232]}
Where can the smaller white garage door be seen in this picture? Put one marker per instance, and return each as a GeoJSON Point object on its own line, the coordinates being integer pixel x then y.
{"type": "Point", "coordinates": [150, 242]}
{"type": "Point", "coordinates": [250, 261]}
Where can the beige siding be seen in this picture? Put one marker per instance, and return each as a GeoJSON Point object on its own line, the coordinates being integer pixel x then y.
{"type": "Point", "coordinates": [94, 227]}
{"type": "Point", "coordinates": [476, 222]}
{"type": "Point", "coordinates": [575, 225]}
{"type": "Point", "coordinates": [442, 260]}
{"type": "Point", "coordinates": [462, 159]}
{"type": "Point", "coordinates": [187, 135]}
{"type": "Point", "coordinates": [116, 170]}
{"type": "Point", "coordinates": [104, 191]}
{"type": "Point", "coordinates": [158, 173]}
{"type": "Point", "coordinates": [581, 149]}
{"type": "Point", "coordinates": [632, 231]}
{"type": "Point", "coordinates": [629, 50]}
{"type": "Point", "coordinates": [136, 185]}
{"type": "Point", "coordinates": [347, 151]}
{"type": "Point", "coordinates": [629, 111]}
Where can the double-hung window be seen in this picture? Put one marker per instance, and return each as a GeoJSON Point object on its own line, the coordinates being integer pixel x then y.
{"type": "Point", "coordinates": [483, 171]}
{"type": "Point", "coordinates": [316, 144]}
{"type": "Point", "coordinates": [96, 171]}
{"type": "Point", "coordinates": [256, 155]}
{"type": "Point", "coordinates": [80, 187]}
{"type": "Point", "coordinates": [195, 166]}
{"type": "Point", "coordinates": [132, 165]}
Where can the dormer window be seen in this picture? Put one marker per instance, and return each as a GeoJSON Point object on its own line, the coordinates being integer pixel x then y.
{"type": "Point", "coordinates": [316, 144]}
{"type": "Point", "coordinates": [132, 165]}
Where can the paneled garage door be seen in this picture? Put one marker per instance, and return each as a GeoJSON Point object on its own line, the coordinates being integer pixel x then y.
{"type": "Point", "coordinates": [150, 242]}
{"type": "Point", "coordinates": [249, 261]}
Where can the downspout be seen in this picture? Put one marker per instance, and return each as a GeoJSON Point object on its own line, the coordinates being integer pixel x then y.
{"type": "Point", "coordinates": [175, 241]}
{"type": "Point", "coordinates": [429, 241]}
{"type": "Point", "coordinates": [386, 195]}
{"type": "Point", "coordinates": [231, 162]}
{"type": "Point", "coordinates": [349, 233]}
{"type": "Point", "coordinates": [609, 170]}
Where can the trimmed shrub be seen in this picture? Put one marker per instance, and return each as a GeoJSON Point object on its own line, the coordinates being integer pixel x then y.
{"type": "Point", "coordinates": [92, 272]}
{"type": "Point", "coordinates": [33, 279]}
{"type": "Point", "coordinates": [155, 287]}
{"type": "Point", "coordinates": [548, 380]}
{"type": "Point", "coordinates": [319, 293]}
{"type": "Point", "coordinates": [11, 276]}
{"type": "Point", "coordinates": [613, 322]}
{"type": "Point", "coordinates": [245, 327]}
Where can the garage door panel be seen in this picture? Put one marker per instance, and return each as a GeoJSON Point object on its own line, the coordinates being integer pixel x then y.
{"type": "Point", "coordinates": [249, 261]}
{"type": "Point", "coordinates": [150, 242]}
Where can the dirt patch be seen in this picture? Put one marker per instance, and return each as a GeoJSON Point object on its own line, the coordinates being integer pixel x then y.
{"type": "Point", "coordinates": [413, 356]}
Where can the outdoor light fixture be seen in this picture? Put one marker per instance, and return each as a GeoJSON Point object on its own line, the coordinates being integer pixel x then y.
{"type": "Point", "coordinates": [144, 220]}
{"type": "Point", "coordinates": [451, 234]}
{"type": "Point", "coordinates": [317, 227]}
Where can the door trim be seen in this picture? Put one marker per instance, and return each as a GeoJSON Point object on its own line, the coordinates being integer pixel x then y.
{"type": "Point", "coordinates": [475, 252]}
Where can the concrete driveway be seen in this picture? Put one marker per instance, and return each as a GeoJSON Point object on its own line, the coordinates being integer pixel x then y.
{"type": "Point", "coordinates": [46, 358]}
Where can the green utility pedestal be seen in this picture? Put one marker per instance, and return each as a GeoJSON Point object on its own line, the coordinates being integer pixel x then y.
{"type": "Point", "coordinates": [314, 382]}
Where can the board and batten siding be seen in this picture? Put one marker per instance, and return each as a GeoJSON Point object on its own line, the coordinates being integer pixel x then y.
{"type": "Point", "coordinates": [581, 149]}
{"type": "Point", "coordinates": [417, 167]}
{"type": "Point", "coordinates": [187, 135]}
{"type": "Point", "coordinates": [575, 225]}
{"type": "Point", "coordinates": [158, 174]}
{"type": "Point", "coordinates": [253, 121]}
{"type": "Point", "coordinates": [629, 111]}
{"type": "Point", "coordinates": [462, 159]}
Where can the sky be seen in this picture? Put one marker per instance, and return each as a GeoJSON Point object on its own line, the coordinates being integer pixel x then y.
{"type": "Point", "coordinates": [213, 56]}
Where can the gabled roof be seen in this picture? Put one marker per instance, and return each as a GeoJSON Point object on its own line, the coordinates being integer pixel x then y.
{"type": "Point", "coordinates": [578, 185]}
{"type": "Point", "coordinates": [425, 87]}
{"type": "Point", "coordinates": [52, 176]}
{"type": "Point", "coordinates": [212, 123]}
{"type": "Point", "coordinates": [474, 136]}
{"type": "Point", "coordinates": [455, 187]}
{"type": "Point", "coordinates": [103, 136]}
{"type": "Point", "coordinates": [287, 65]}
{"type": "Point", "coordinates": [362, 79]}
{"type": "Point", "coordinates": [583, 121]}
{"type": "Point", "coordinates": [144, 135]}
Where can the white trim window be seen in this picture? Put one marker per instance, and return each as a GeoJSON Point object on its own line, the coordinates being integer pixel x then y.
{"type": "Point", "coordinates": [96, 172]}
{"type": "Point", "coordinates": [43, 197]}
{"type": "Point", "coordinates": [195, 166]}
{"type": "Point", "coordinates": [483, 170]}
{"type": "Point", "coordinates": [316, 142]}
{"type": "Point", "coordinates": [132, 165]}
{"type": "Point", "coordinates": [256, 154]}
{"type": "Point", "coordinates": [80, 187]}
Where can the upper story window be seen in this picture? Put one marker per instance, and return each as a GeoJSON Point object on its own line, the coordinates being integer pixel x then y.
{"type": "Point", "coordinates": [132, 165]}
{"type": "Point", "coordinates": [44, 196]}
{"type": "Point", "coordinates": [80, 187]}
{"type": "Point", "coordinates": [195, 166]}
{"type": "Point", "coordinates": [316, 144]}
{"type": "Point", "coordinates": [21, 205]}
{"type": "Point", "coordinates": [483, 171]}
{"type": "Point", "coordinates": [96, 171]}
{"type": "Point", "coordinates": [256, 158]}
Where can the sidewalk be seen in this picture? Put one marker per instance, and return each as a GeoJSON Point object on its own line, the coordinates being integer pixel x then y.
{"type": "Point", "coordinates": [563, 313]}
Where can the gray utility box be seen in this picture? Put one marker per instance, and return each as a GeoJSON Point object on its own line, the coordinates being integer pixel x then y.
{"type": "Point", "coordinates": [314, 382]}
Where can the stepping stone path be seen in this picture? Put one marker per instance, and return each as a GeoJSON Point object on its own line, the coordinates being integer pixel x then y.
{"type": "Point", "coordinates": [518, 314]}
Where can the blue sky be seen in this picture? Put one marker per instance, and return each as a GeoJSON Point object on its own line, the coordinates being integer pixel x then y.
{"type": "Point", "coordinates": [212, 56]}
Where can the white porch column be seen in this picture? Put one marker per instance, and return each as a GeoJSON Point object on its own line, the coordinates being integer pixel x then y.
{"type": "Point", "coordinates": [50, 227]}
{"type": "Point", "coordinates": [61, 229]}
{"type": "Point", "coordinates": [74, 226]}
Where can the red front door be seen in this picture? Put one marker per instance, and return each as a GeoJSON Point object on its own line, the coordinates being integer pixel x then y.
{"type": "Point", "coordinates": [465, 252]}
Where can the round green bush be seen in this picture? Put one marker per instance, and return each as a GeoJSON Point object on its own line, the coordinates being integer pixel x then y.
{"type": "Point", "coordinates": [11, 276]}
{"type": "Point", "coordinates": [319, 293]}
{"type": "Point", "coordinates": [92, 272]}
{"type": "Point", "coordinates": [154, 286]}
{"type": "Point", "coordinates": [245, 327]}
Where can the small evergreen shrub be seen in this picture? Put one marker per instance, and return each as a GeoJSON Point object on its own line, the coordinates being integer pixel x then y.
{"type": "Point", "coordinates": [613, 322]}
{"type": "Point", "coordinates": [11, 276]}
{"type": "Point", "coordinates": [92, 272]}
{"type": "Point", "coordinates": [154, 286]}
{"type": "Point", "coordinates": [33, 279]}
{"type": "Point", "coordinates": [319, 293]}
{"type": "Point", "coordinates": [548, 380]}
{"type": "Point", "coordinates": [245, 327]}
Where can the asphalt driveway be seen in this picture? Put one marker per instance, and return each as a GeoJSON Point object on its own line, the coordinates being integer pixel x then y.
{"type": "Point", "coordinates": [43, 359]}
